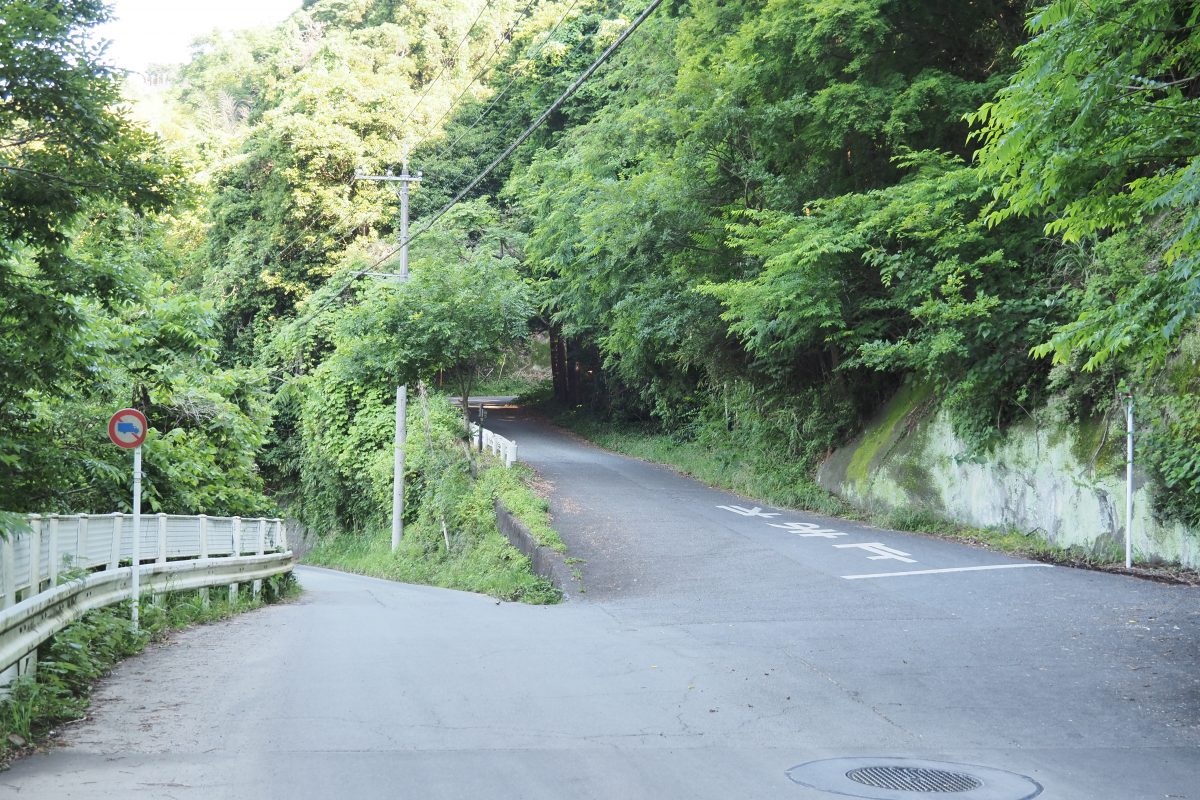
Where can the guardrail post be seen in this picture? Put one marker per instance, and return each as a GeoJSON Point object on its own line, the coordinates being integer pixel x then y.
{"type": "Point", "coordinates": [162, 539]}
{"type": "Point", "coordinates": [25, 665]}
{"type": "Point", "coordinates": [237, 552]}
{"type": "Point", "coordinates": [35, 554]}
{"type": "Point", "coordinates": [512, 454]}
{"type": "Point", "coordinates": [161, 558]}
{"type": "Point", "coordinates": [262, 542]}
{"type": "Point", "coordinates": [53, 558]}
{"type": "Point", "coordinates": [114, 556]}
{"type": "Point", "coordinates": [8, 576]}
{"type": "Point", "coordinates": [281, 535]}
{"type": "Point", "coordinates": [81, 541]}
{"type": "Point", "coordinates": [204, 555]}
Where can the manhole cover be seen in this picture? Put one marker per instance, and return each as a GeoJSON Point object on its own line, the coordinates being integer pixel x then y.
{"type": "Point", "coordinates": [913, 779]}
{"type": "Point", "coordinates": [908, 778]}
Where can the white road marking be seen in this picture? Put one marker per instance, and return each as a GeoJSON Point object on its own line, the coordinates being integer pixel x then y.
{"type": "Point", "coordinates": [808, 530]}
{"type": "Point", "coordinates": [881, 551]}
{"type": "Point", "coordinates": [938, 571]}
{"type": "Point", "coordinates": [750, 512]}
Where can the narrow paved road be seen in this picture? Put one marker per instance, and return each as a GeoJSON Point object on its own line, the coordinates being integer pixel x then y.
{"type": "Point", "coordinates": [716, 646]}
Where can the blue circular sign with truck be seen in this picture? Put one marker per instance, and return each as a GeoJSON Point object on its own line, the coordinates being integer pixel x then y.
{"type": "Point", "coordinates": [127, 428]}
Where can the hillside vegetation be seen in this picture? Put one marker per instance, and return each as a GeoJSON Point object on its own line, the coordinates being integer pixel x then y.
{"type": "Point", "coordinates": [753, 225]}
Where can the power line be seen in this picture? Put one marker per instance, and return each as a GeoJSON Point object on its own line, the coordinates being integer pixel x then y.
{"type": "Point", "coordinates": [495, 51]}
{"type": "Point", "coordinates": [308, 227]}
{"type": "Point", "coordinates": [445, 66]}
{"type": "Point", "coordinates": [537, 123]}
{"type": "Point", "coordinates": [428, 88]}
{"type": "Point", "coordinates": [562, 98]}
{"type": "Point", "coordinates": [511, 82]}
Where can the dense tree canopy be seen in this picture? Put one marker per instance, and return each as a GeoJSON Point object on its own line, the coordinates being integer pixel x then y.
{"type": "Point", "coordinates": [753, 224]}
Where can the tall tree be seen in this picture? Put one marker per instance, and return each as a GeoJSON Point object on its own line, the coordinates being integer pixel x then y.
{"type": "Point", "coordinates": [1100, 129]}
{"type": "Point", "coordinates": [63, 146]}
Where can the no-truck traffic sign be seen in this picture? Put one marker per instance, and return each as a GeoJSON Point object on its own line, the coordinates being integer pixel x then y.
{"type": "Point", "coordinates": [127, 428]}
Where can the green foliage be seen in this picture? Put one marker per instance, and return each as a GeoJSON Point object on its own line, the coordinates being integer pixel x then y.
{"type": "Point", "coordinates": [293, 114]}
{"type": "Point", "coordinates": [906, 280]}
{"type": "Point", "coordinates": [751, 226]}
{"type": "Point", "coordinates": [1099, 129]}
{"type": "Point", "coordinates": [88, 321]}
{"type": "Point", "coordinates": [1171, 443]}
{"type": "Point", "coordinates": [463, 306]}
{"type": "Point", "coordinates": [450, 535]}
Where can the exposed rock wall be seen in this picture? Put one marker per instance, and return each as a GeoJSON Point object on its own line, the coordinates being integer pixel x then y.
{"type": "Point", "coordinates": [1046, 477]}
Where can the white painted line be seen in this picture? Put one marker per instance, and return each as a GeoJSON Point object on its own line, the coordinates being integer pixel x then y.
{"type": "Point", "coordinates": [881, 551]}
{"type": "Point", "coordinates": [750, 512]}
{"type": "Point", "coordinates": [939, 571]}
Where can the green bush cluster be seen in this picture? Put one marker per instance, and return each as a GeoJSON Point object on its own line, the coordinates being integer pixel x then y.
{"type": "Point", "coordinates": [450, 537]}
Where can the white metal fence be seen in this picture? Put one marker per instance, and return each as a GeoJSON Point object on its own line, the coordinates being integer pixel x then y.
{"type": "Point", "coordinates": [96, 553]}
{"type": "Point", "coordinates": [494, 442]}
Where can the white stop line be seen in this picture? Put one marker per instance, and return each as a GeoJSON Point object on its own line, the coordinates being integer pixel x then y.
{"type": "Point", "coordinates": [947, 569]}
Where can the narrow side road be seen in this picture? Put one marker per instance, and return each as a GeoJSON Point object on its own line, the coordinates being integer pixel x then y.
{"type": "Point", "coordinates": [717, 646]}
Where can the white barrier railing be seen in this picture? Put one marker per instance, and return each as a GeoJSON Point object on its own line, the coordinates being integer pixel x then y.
{"type": "Point", "coordinates": [183, 553]}
{"type": "Point", "coordinates": [494, 442]}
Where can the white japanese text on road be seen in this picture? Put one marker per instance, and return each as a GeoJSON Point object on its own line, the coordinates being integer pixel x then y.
{"type": "Point", "coordinates": [877, 551]}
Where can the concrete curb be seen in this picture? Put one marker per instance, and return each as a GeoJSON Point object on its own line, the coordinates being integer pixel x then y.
{"type": "Point", "coordinates": [548, 563]}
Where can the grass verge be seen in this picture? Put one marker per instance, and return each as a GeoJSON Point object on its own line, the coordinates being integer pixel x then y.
{"type": "Point", "coordinates": [772, 481]}
{"type": "Point", "coordinates": [469, 552]}
{"type": "Point", "coordinates": [71, 661]}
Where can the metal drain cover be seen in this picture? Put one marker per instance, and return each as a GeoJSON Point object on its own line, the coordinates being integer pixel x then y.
{"type": "Point", "coordinates": [913, 779]}
{"type": "Point", "coordinates": [908, 778]}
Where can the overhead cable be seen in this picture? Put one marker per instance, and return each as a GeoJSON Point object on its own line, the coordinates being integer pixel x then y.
{"type": "Point", "coordinates": [562, 98]}
{"type": "Point", "coordinates": [537, 123]}
{"type": "Point", "coordinates": [495, 51]}
{"type": "Point", "coordinates": [511, 82]}
{"type": "Point", "coordinates": [446, 64]}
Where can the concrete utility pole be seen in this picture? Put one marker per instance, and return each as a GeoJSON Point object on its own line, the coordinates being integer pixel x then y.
{"type": "Point", "coordinates": [401, 181]}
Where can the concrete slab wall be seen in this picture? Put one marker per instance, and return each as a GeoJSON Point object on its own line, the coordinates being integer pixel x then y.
{"type": "Point", "coordinates": [1048, 477]}
{"type": "Point", "coordinates": [546, 562]}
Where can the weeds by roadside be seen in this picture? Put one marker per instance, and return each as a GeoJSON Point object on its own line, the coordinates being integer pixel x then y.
{"type": "Point", "coordinates": [468, 552]}
{"type": "Point", "coordinates": [451, 538]}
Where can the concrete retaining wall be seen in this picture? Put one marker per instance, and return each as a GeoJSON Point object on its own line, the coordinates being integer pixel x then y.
{"type": "Point", "coordinates": [548, 563]}
{"type": "Point", "coordinates": [1047, 477]}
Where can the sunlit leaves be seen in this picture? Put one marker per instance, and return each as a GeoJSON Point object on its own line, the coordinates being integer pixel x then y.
{"type": "Point", "coordinates": [1100, 129]}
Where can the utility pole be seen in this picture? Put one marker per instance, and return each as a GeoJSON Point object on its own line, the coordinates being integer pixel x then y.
{"type": "Point", "coordinates": [401, 182]}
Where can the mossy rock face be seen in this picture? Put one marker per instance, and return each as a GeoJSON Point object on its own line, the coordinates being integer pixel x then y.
{"type": "Point", "coordinates": [854, 466]}
{"type": "Point", "coordinates": [1088, 441]}
{"type": "Point", "coordinates": [1039, 477]}
{"type": "Point", "coordinates": [917, 482]}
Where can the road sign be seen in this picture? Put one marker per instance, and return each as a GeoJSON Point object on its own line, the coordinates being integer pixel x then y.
{"type": "Point", "coordinates": [127, 428]}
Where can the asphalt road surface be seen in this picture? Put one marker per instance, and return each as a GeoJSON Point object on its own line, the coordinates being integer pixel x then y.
{"type": "Point", "coordinates": [715, 646]}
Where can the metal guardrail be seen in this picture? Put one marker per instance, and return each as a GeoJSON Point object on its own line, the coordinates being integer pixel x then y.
{"type": "Point", "coordinates": [497, 444]}
{"type": "Point", "coordinates": [186, 553]}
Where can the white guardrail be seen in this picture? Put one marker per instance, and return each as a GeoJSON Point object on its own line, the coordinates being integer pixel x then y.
{"type": "Point", "coordinates": [497, 444]}
{"type": "Point", "coordinates": [183, 553]}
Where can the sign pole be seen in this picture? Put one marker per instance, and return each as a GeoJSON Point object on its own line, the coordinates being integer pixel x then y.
{"type": "Point", "coordinates": [137, 532]}
{"type": "Point", "coordinates": [127, 430]}
{"type": "Point", "coordinates": [1129, 480]}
